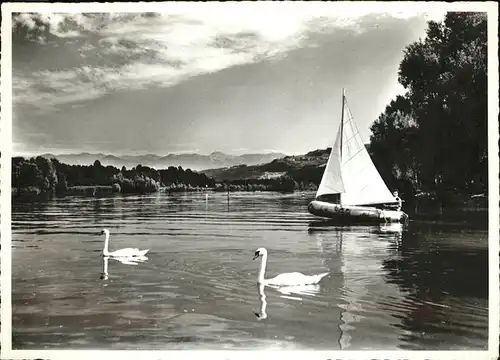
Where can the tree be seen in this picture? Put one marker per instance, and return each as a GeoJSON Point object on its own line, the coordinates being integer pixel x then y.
{"type": "Point", "coordinates": [62, 184]}
{"type": "Point", "coordinates": [49, 182]}
{"type": "Point", "coordinates": [392, 144]}
{"type": "Point", "coordinates": [29, 175]}
{"type": "Point", "coordinates": [436, 135]}
{"type": "Point", "coordinates": [45, 175]}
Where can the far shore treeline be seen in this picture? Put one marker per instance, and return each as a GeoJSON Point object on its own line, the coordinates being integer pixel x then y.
{"type": "Point", "coordinates": [42, 175]}
{"type": "Point", "coordinates": [49, 176]}
{"type": "Point", "coordinates": [432, 141]}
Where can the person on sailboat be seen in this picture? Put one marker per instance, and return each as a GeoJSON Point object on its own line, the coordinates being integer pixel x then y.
{"type": "Point", "coordinates": [398, 199]}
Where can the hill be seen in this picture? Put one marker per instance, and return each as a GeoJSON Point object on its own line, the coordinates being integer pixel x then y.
{"type": "Point", "coordinates": [187, 161]}
{"type": "Point", "coordinates": [300, 167]}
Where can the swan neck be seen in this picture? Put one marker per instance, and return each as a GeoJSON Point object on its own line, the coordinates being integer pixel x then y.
{"type": "Point", "coordinates": [106, 243]}
{"type": "Point", "coordinates": [262, 270]}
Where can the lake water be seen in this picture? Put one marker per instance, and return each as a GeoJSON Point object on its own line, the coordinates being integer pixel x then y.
{"type": "Point", "coordinates": [425, 287]}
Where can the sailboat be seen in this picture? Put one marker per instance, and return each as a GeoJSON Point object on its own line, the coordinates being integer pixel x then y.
{"type": "Point", "coordinates": [351, 188]}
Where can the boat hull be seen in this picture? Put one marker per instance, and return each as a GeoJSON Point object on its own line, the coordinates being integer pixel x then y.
{"type": "Point", "coordinates": [352, 213]}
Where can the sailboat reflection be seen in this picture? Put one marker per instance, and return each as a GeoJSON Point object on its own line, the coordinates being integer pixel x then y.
{"type": "Point", "coordinates": [391, 228]}
{"type": "Point", "coordinates": [135, 260]}
{"type": "Point", "coordinates": [325, 225]}
{"type": "Point", "coordinates": [394, 232]}
{"type": "Point", "coordinates": [286, 291]}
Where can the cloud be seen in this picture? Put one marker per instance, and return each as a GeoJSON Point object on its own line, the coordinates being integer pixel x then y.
{"type": "Point", "coordinates": [107, 52]}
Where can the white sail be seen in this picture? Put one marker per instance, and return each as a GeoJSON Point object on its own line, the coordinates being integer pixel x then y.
{"type": "Point", "coordinates": [351, 167]}
{"type": "Point", "coordinates": [331, 182]}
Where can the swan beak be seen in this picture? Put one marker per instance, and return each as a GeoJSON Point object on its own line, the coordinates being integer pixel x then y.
{"type": "Point", "coordinates": [255, 256]}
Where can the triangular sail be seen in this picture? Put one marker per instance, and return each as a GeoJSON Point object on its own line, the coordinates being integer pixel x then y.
{"type": "Point", "coordinates": [331, 182]}
{"type": "Point", "coordinates": [350, 171]}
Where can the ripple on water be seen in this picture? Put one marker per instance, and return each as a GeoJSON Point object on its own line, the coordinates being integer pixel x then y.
{"type": "Point", "coordinates": [386, 290]}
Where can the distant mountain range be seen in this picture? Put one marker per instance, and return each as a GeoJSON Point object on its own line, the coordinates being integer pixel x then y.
{"type": "Point", "coordinates": [187, 161]}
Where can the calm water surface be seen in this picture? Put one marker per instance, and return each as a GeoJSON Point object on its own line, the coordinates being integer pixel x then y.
{"type": "Point", "coordinates": [425, 287]}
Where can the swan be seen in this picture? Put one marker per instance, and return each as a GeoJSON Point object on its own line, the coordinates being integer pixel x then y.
{"type": "Point", "coordinates": [287, 279]}
{"type": "Point", "coordinates": [128, 252]}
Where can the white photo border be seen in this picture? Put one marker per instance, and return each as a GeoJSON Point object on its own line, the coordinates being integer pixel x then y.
{"type": "Point", "coordinates": [491, 8]}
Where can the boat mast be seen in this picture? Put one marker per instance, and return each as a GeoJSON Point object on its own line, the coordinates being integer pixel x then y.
{"type": "Point", "coordinates": [342, 122]}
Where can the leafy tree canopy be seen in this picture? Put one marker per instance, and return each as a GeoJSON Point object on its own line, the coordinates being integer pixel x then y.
{"type": "Point", "coordinates": [435, 136]}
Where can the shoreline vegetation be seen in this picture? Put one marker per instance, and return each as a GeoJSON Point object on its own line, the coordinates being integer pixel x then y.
{"type": "Point", "coordinates": [42, 178]}
{"type": "Point", "coordinates": [39, 175]}
{"type": "Point", "coordinates": [430, 143]}
{"type": "Point", "coordinates": [434, 138]}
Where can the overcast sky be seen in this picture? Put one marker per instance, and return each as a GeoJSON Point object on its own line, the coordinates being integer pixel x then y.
{"type": "Point", "coordinates": [204, 77]}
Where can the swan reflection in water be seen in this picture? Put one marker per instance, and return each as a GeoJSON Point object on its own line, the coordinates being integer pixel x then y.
{"type": "Point", "coordinates": [301, 290]}
{"type": "Point", "coordinates": [133, 260]}
{"type": "Point", "coordinates": [285, 291]}
{"type": "Point", "coordinates": [261, 315]}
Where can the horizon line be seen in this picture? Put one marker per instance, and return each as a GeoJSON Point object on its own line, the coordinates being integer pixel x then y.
{"type": "Point", "coordinates": [187, 152]}
{"type": "Point", "coordinates": [112, 153]}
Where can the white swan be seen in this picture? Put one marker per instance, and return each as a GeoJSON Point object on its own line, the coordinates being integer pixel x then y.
{"type": "Point", "coordinates": [128, 252]}
{"type": "Point", "coordinates": [287, 279]}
